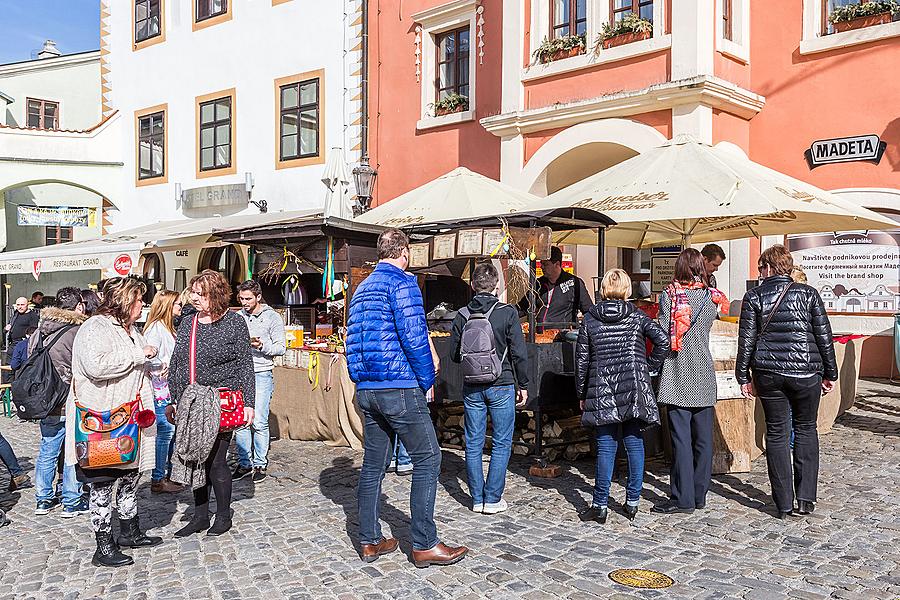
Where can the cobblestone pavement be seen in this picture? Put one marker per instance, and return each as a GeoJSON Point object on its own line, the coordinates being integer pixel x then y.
{"type": "Point", "coordinates": [294, 531]}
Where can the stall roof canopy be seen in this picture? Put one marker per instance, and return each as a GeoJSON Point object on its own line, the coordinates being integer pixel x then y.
{"type": "Point", "coordinates": [463, 198]}
{"type": "Point", "coordinates": [158, 237]}
{"type": "Point", "coordinates": [309, 225]}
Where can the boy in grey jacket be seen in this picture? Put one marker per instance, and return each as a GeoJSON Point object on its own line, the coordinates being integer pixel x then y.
{"type": "Point", "coordinates": [266, 342]}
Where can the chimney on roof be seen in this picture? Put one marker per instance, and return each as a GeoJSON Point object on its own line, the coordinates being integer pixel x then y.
{"type": "Point", "coordinates": [49, 50]}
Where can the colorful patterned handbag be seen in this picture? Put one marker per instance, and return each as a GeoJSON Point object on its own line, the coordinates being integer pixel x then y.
{"type": "Point", "coordinates": [231, 401]}
{"type": "Point", "coordinates": [107, 438]}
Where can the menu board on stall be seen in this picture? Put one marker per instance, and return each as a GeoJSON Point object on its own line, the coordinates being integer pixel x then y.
{"type": "Point", "coordinates": [418, 255]}
{"type": "Point", "coordinates": [444, 247]}
{"type": "Point", "coordinates": [493, 240]}
{"type": "Point", "coordinates": [469, 242]}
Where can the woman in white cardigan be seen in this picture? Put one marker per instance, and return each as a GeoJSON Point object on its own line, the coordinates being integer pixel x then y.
{"type": "Point", "coordinates": [109, 369]}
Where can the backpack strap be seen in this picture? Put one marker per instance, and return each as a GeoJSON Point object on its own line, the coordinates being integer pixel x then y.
{"type": "Point", "coordinates": [57, 335]}
{"type": "Point", "coordinates": [465, 312]}
{"type": "Point", "coordinates": [775, 308]}
{"type": "Point", "coordinates": [487, 316]}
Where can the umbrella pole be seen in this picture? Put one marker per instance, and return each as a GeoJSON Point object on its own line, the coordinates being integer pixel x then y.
{"type": "Point", "coordinates": [601, 258]}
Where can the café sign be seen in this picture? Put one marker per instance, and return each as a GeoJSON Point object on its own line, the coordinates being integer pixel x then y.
{"type": "Point", "coordinates": [213, 196]}
{"type": "Point", "coordinates": [865, 148]}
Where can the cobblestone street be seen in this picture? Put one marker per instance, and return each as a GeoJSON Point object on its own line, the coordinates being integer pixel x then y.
{"type": "Point", "coordinates": [294, 533]}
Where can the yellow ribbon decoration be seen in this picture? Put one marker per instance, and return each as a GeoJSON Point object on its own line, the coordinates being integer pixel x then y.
{"type": "Point", "coordinates": [500, 245]}
{"type": "Point", "coordinates": [313, 364]}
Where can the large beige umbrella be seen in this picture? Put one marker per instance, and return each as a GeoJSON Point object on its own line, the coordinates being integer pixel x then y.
{"type": "Point", "coordinates": [459, 195]}
{"type": "Point", "coordinates": [686, 191]}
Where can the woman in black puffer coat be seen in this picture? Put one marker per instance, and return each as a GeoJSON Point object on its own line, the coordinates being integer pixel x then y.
{"type": "Point", "coordinates": [785, 338]}
{"type": "Point", "coordinates": [612, 374]}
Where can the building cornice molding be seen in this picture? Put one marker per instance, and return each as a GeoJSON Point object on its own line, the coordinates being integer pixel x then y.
{"type": "Point", "coordinates": [703, 89]}
{"type": "Point", "coordinates": [49, 64]}
{"type": "Point", "coordinates": [437, 14]}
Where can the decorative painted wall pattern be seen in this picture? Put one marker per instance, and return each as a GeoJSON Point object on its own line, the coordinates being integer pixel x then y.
{"type": "Point", "coordinates": [105, 81]}
{"type": "Point", "coordinates": [480, 12]}
{"type": "Point", "coordinates": [418, 43]}
{"type": "Point", "coordinates": [353, 77]}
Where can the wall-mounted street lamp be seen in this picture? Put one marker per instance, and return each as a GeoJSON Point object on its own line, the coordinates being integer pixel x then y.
{"type": "Point", "coordinates": [249, 183]}
{"type": "Point", "coordinates": [364, 176]}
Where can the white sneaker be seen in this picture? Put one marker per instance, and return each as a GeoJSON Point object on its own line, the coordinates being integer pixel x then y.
{"type": "Point", "coordinates": [478, 508]}
{"type": "Point", "coordinates": [404, 469]}
{"type": "Point", "coordinates": [492, 508]}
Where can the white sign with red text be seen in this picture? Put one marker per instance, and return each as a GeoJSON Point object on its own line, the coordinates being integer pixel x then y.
{"type": "Point", "coordinates": [112, 264]}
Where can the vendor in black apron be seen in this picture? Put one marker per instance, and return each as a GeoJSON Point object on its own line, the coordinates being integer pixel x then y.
{"type": "Point", "coordinates": [561, 294]}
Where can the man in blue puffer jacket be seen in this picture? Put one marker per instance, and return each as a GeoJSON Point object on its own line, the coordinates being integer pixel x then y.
{"type": "Point", "coordinates": [390, 361]}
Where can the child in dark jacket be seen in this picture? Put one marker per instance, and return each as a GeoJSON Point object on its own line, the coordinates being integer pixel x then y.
{"type": "Point", "coordinates": [612, 377]}
{"type": "Point", "coordinates": [20, 352]}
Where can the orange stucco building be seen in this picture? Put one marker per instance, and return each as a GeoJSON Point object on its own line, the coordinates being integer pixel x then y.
{"type": "Point", "coordinates": [770, 78]}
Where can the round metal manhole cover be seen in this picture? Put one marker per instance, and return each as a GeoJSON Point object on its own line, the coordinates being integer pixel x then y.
{"type": "Point", "coordinates": [642, 578]}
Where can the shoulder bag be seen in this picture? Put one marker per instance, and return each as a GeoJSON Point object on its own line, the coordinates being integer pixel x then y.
{"type": "Point", "coordinates": [765, 324]}
{"type": "Point", "coordinates": [231, 401]}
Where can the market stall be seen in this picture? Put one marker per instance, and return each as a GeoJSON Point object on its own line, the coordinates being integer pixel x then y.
{"type": "Point", "coordinates": [308, 268]}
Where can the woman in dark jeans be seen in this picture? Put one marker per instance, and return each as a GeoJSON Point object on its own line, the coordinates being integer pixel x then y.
{"type": "Point", "coordinates": [785, 340]}
{"type": "Point", "coordinates": [223, 361]}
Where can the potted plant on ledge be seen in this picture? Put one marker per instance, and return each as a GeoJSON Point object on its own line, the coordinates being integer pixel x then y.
{"type": "Point", "coordinates": [559, 48]}
{"type": "Point", "coordinates": [864, 14]}
{"type": "Point", "coordinates": [449, 104]}
{"type": "Point", "coordinates": [631, 28]}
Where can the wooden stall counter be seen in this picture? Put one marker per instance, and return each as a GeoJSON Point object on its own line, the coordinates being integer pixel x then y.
{"type": "Point", "coordinates": [315, 400]}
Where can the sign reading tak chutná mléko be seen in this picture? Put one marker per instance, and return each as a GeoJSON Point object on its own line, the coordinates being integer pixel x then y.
{"type": "Point", "coordinates": [56, 216]}
{"type": "Point", "coordinates": [866, 148]}
{"type": "Point", "coordinates": [211, 196]}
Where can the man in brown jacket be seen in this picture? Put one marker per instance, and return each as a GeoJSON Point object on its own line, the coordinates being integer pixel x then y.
{"type": "Point", "coordinates": [62, 320]}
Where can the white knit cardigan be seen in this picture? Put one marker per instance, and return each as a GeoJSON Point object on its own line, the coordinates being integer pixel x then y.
{"type": "Point", "coordinates": [109, 369]}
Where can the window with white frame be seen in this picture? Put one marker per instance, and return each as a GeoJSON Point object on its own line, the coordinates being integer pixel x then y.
{"type": "Point", "coordinates": [446, 37]}
{"type": "Point", "coordinates": [832, 24]}
{"type": "Point", "coordinates": [619, 9]}
{"type": "Point", "coordinates": [733, 28]}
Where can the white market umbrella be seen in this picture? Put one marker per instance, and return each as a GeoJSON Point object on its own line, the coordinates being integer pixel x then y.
{"type": "Point", "coordinates": [460, 195]}
{"type": "Point", "coordinates": [336, 177]}
{"type": "Point", "coordinates": [686, 192]}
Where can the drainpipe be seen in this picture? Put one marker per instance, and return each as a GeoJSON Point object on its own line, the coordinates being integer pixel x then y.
{"type": "Point", "coordinates": [364, 146]}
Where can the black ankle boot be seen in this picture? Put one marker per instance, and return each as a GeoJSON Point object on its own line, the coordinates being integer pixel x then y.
{"type": "Point", "coordinates": [107, 554]}
{"type": "Point", "coordinates": [630, 511]}
{"type": "Point", "coordinates": [221, 525]}
{"type": "Point", "coordinates": [195, 526]}
{"type": "Point", "coordinates": [131, 535]}
{"type": "Point", "coordinates": [594, 513]}
{"type": "Point", "coordinates": [805, 507]}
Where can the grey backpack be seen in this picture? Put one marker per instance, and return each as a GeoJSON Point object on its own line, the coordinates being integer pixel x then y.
{"type": "Point", "coordinates": [478, 348]}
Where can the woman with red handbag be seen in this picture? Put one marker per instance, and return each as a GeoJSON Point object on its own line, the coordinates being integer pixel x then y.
{"type": "Point", "coordinates": [211, 358]}
{"type": "Point", "coordinates": [111, 426]}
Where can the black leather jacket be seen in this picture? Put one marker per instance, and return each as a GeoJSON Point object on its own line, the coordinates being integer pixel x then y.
{"type": "Point", "coordinates": [798, 340]}
{"type": "Point", "coordinates": [612, 371]}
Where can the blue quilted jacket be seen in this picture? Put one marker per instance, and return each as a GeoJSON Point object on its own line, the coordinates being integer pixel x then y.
{"type": "Point", "coordinates": [387, 336]}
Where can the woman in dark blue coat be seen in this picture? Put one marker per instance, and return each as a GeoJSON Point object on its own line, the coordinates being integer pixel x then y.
{"type": "Point", "coordinates": [613, 381]}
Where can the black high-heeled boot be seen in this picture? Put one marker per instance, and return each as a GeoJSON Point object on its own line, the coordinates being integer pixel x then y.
{"type": "Point", "coordinates": [196, 525]}
{"type": "Point", "coordinates": [222, 525]}
{"type": "Point", "coordinates": [131, 535]}
{"type": "Point", "coordinates": [630, 511]}
{"type": "Point", "coordinates": [107, 553]}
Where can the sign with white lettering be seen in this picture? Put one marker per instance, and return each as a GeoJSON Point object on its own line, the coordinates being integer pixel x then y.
{"type": "Point", "coordinates": [56, 216]}
{"type": "Point", "coordinates": [234, 194]}
{"type": "Point", "coordinates": [866, 148]}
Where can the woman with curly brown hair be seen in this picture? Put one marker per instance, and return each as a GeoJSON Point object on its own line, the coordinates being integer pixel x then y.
{"type": "Point", "coordinates": [110, 388]}
{"type": "Point", "coordinates": [222, 359]}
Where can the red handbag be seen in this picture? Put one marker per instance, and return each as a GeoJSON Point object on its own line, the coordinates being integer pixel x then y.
{"type": "Point", "coordinates": [231, 401]}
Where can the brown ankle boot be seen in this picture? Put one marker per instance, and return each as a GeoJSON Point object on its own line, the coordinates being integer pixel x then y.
{"type": "Point", "coordinates": [440, 555]}
{"type": "Point", "coordinates": [371, 552]}
{"type": "Point", "coordinates": [165, 486]}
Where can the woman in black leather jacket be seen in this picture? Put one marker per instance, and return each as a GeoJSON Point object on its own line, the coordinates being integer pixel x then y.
{"type": "Point", "coordinates": [785, 339]}
{"type": "Point", "coordinates": [613, 380]}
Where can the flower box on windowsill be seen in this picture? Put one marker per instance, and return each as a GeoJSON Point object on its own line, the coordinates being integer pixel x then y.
{"type": "Point", "coordinates": [626, 38]}
{"type": "Point", "coordinates": [563, 54]}
{"type": "Point", "coordinates": [440, 112]}
{"type": "Point", "coordinates": [861, 22]}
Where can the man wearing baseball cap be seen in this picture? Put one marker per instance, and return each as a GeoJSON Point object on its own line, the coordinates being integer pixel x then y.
{"type": "Point", "coordinates": [561, 294]}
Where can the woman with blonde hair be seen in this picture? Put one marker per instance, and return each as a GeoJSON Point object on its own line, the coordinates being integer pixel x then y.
{"type": "Point", "coordinates": [111, 393]}
{"type": "Point", "coordinates": [612, 376]}
{"type": "Point", "coordinates": [219, 357]}
{"type": "Point", "coordinates": [159, 331]}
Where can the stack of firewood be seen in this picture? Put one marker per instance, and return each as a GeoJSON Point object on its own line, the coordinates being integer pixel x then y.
{"type": "Point", "coordinates": [450, 420]}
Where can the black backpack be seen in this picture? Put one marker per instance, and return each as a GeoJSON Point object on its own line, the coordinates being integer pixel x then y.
{"type": "Point", "coordinates": [478, 348]}
{"type": "Point", "coordinates": [38, 389]}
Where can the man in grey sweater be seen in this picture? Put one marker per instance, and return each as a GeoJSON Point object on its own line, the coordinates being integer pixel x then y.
{"type": "Point", "coordinates": [266, 342]}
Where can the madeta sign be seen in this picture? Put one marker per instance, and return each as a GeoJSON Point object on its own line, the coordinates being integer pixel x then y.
{"type": "Point", "coordinates": [868, 148]}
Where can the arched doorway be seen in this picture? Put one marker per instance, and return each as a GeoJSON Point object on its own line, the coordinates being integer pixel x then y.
{"type": "Point", "coordinates": [226, 260]}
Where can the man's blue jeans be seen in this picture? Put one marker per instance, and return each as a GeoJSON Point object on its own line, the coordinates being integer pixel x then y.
{"type": "Point", "coordinates": [253, 441]}
{"type": "Point", "coordinates": [500, 400]}
{"type": "Point", "coordinates": [165, 433]}
{"type": "Point", "coordinates": [608, 437]}
{"type": "Point", "coordinates": [9, 458]}
{"type": "Point", "coordinates": [53, 436]}
{"type": "Point", "coordinates": [403, 412]}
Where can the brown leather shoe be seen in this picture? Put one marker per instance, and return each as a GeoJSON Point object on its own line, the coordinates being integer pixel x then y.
{"type": "Point", "coordinates": [371, 552]}
{"type": "Point", "coordinates": [440, 555]}
{"type": "Point", "coordinates": [165, 486]}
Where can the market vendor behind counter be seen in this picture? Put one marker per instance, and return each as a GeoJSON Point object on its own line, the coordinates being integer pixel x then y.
{"type": "Point", "coordinates": [561, 294]}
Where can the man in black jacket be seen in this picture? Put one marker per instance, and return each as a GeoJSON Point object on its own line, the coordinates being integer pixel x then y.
{"type": "Point", "coordinates": [785, 338]}
{"type": "Point", "coordinates": [561, 295]}
{"type": "Point", "coordinates": [498, 397]}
